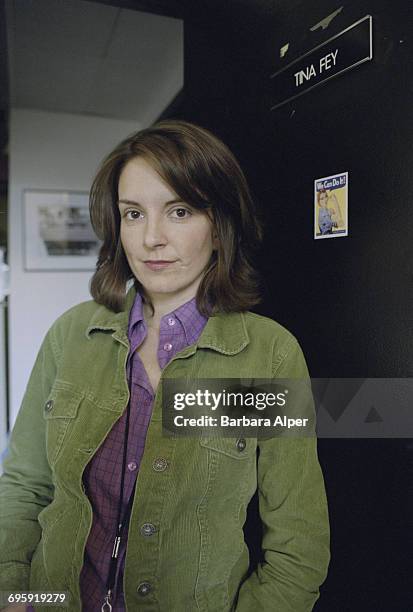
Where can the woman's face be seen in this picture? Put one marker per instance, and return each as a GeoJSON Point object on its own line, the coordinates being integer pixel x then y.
{"type": "Point", "coordinates": [323, 199]}
{"type": "Point", "coordinates": [167, 243]}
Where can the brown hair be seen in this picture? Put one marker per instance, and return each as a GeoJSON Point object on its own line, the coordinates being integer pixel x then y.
{"type": "Point", "coordinates": [319, 195]}
{"type": "Point", "coordinates": [203, 173]}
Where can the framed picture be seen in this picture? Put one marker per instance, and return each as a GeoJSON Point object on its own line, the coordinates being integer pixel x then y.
{"type": "Point", "coordinates": [58, 234]}
{"type": "Point", "coordinates": [331, 206]}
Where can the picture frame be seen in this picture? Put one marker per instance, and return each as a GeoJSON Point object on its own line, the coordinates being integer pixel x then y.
{"type": "Point", "coordinates": [58, 234]}
{"type": "Point", "coordinates": [330, 206]}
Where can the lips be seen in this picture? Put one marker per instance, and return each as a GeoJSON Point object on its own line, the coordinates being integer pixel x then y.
{"type": "Point", "coordinates": [158, 264]}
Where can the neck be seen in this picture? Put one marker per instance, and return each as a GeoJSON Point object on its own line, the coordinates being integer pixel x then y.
{"type": "Point", "coordinates": [161, 308]}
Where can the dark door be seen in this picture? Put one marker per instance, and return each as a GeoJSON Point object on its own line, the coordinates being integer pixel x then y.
{"type": "Point", "coordinates": [348, 300]}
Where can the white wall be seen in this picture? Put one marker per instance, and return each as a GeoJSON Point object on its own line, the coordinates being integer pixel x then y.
{"type": "Point", "coordinates": [47, 151]}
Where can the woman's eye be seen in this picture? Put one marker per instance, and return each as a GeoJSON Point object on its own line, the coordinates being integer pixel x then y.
{"type": "Point", "coordinates": [132, 214]}
{"type": "Point", "coordinates": [181, 213]}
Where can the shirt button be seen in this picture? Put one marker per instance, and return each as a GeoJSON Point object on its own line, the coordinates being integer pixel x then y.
{"type": "Point", "coordinates": [49, 405]}
{"type": "Point", "coordinates": [148, 529]}
{"type": "Point", "coordinates": [144, 588]}
{"type": "Point", "coordinates": [171, 321]}
{"type": "Point", "coordinates": [132, 466]}
{"type": "Point", "coordinates": [167, 346]}
{"type": "Point", "coordinates": [241, 444]}
{"type": "Point", "coordinates": [160, 464]}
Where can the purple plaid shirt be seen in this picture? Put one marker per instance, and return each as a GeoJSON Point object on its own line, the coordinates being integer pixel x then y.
{"type": "Point", "coordinates": [102, 475]}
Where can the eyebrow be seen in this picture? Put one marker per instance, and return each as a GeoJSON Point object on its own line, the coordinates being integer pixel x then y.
{"type": "Point", "coordinates": [133, 203]}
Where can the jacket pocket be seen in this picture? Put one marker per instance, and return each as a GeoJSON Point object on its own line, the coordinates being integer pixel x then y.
{"type": "Point", "coordinates": [236, 448]}
{"type": "Point", "coordinates": [56, 564]}
{"type": "Point", "coordinates": [231, 476]}
{"type": "Point", "coordinates": [59, 411]}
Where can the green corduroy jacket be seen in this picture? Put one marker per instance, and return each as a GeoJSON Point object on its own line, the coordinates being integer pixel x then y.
{"type": "Point", "coordinates": [197, 559]}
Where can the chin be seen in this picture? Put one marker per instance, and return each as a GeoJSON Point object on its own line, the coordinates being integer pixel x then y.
{"type": "Point", "coordinates": [161, 287]}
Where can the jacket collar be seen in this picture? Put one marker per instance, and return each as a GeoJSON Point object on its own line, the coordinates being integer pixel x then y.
{"type": "Point", "coordinates": [224, 332]}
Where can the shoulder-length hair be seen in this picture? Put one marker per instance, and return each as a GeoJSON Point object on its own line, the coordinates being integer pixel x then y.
{"type": "Point", "coordinates": [204, 173]}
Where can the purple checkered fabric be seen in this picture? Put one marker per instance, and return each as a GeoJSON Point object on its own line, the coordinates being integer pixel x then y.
{"type": "Point", "coordinates": [101, 478]}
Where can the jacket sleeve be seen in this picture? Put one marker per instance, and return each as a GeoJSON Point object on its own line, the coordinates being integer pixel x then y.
{"type": "Point", "coordinates": [26, 485]}
{"type": "Point", "coordinates": [293, 510]}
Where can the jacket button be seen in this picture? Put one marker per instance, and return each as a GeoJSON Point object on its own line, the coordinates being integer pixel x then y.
{"type": "Point", "coordinates": [160, 464]}
{"type": "Point", "coordinates": [241, 444]}
{"type": "Point", "coordinates": [148, 529]}
{"type": "Point", "coordinates": [49, 405]}
{"type": "Point", "coordinates": [144, 588]}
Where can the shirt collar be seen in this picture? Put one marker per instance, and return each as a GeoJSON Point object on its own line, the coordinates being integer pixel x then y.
{"type": "Point", "coordinates": [188, 315]}
{"type": "Point", "coordinates": [223, 332]}
{"type": "Point", "coordinates": [190, 318]}
{"type": "Point", "coordinates": [136, 313]}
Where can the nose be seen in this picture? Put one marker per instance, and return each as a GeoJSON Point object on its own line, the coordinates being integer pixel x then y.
{"type": "Point", "coordinates": [154, 233]}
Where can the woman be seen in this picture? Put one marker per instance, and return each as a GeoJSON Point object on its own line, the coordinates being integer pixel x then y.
{"type": "Point", "coordinates": [328, 217]}
{"type": "Point", "coordinates": [176, 219]}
